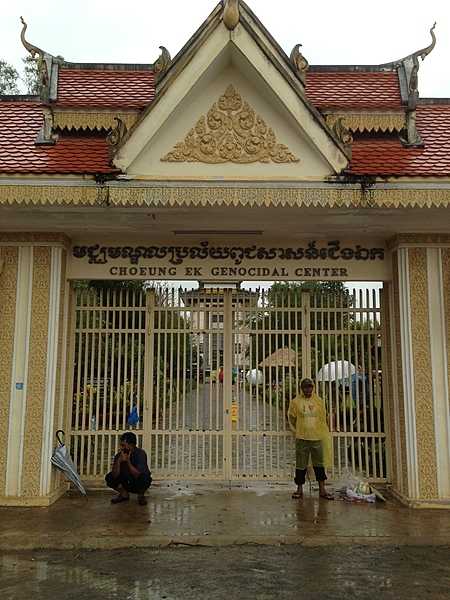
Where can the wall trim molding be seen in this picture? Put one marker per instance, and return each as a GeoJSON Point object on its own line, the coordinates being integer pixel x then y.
{"type": "Point", "coordinates": [51, 368]}
{"type": "Point", "coordinates": [18, 397]}
{"type": "Point", "coordinates": [408, 373]}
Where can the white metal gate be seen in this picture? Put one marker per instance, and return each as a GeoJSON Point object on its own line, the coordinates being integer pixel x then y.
{"type": "Point", "coordinates": [211, 372]}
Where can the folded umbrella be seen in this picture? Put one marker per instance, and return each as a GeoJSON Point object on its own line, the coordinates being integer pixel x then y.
{"type": "Point", "coordinates": [61, 460]}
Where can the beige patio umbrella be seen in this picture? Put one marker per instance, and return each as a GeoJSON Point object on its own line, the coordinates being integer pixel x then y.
{"type": "Point", "coordinates": [284, 357]}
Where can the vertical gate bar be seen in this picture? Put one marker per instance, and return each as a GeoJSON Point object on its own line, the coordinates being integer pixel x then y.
{"type": "Point", "coordinates": [371, 386]}
{"type": "Point", "coordinates": [385, 398]}
{"type": "Point", "coordinates": [85, 366]}
{"type": "Point", "coordinates": [105, 358]}
{"type": "Point", "coordinates": [163, 399]}
{"type": "Point", "coordinates": [306, 337]}
{"type": "Point", "coordinates": [252, 317]}
{"type": "Point", "coordinates": [140, 373]}
{"type": "Point", "coordinates": [296, 334]}
{"type": "Point", "coordinates": [126, 339]}
{"type": "Point", "coordinates": [351, 360]}
{"type": "Point", "coordinates": [264, 398]}
{"type": "Point", "coordinates": [112, 355]}
{"type": "Point", "coordinates": [288, 398]}
{"type": "Point", "coordinates": [357, 439]}
{"type": "Point", "coordinates": [158, 320]}
{"type": "Point", "coordinates": [227, 381]}
{"type": "Point", "coordinates": [99, 327]}
{"type": "Point", "coordinates": [196, 319]}
{"type": "Point", "coordinates": [179, 335]}
{"type": "Point", "coordinates": [149, 369]}
{"type": "Point", "coordinates": [364, 393]}
{"type": "Point", "coordinates": [70, 387]}
{"type": "Point", "coordinates": [173, 327]}
{"type": "Point", "coordinates": [134, 308]}
{"type": "Point", "coordinates": [186, 329]}
{"type": "Point", "coordinates": [79, 347]}
{"type": "Point", "coordinates": [377, 336]}
{"type": "Point", "coordinates": [118, 362]}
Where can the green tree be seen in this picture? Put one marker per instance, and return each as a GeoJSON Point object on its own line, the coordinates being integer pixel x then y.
{"type": "Point", "coordinates": [9, 78]}
{"type": "Point", "coordinates": [280, 321]}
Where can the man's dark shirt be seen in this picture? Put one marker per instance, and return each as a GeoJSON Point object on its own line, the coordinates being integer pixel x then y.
{"type": "Point", "coordinates": [138, 459]}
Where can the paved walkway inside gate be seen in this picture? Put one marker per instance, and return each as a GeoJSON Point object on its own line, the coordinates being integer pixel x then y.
{"type": "Point", "coordinates": [214, 515]}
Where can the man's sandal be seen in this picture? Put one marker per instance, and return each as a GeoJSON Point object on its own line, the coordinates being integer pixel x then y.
{"type": "Point", "coordinates": [118, 499]}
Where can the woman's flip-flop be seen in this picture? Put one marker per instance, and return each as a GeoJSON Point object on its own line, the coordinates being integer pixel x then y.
{"type": "Point", "coordinates": [326, 496]}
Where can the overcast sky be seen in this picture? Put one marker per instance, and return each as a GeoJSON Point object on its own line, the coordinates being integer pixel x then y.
{"type": "Point", "coordinates": [332, 32]}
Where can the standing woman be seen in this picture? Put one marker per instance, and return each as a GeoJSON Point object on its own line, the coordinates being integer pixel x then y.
{"type": "Point", "coordinates": [308, 421]}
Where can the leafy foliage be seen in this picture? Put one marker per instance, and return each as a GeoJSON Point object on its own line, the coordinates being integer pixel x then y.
{"type": "Point", "coordinates": [9, 78]}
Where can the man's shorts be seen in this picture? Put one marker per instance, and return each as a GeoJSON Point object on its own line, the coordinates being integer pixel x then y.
{"type": "Point", "coordinates": [304, 449]}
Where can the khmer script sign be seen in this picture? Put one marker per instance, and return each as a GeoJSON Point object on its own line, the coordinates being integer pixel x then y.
{"type": "Point", "coordinates": [313, 259]}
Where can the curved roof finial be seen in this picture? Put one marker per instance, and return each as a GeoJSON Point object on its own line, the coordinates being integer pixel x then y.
{"type": "Point", "coordinates": [33, 50]}
{"type": "Point", "coordinates": [231, 13]}
{"type": "Point", "coordinates": [426, 51]}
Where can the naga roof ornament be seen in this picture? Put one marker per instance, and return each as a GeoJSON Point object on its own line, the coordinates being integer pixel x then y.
{"type": "Point", "coordinates": [44, 63]}
{"type": "Point", "coordinates": [162, 64]}
{"type": "Point", "coordinates": [37, 54]}
{"type": "Point", "coordinates": [411, 66]}
{"type": "Point", "coordinates": [299, 62]}
{"type": "Point", "coordinates": [231, 15]}
{"type": "Point", "coordinates": [411, 63]}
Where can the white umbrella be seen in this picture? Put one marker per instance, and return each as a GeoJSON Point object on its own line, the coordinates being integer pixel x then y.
{"type": "Point", "coordinates": [254, 376]}
{"type": "Point", "coordinates": [336, 370]}
{"type": "Point", "coordinates": [61, 460]}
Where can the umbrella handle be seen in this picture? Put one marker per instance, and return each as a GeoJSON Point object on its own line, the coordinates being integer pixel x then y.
{"type": "Point", "coordinates": [58, 438]}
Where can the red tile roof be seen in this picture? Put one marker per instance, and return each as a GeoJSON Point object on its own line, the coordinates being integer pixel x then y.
{"type": "Point", "coordinates": [105, 88]}
{"type": "Point", "coordinates": [97, 88]}
{"type": "Point", "coordinates": [385, 156]}
{"type": "Point", "coordinates": [381, 155]}
{"type": "Point", "coordinates": [20, 123]}
{"type": "Point", "coordinates": [353, 89]}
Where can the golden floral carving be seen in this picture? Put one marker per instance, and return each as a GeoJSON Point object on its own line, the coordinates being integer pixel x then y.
{"type": "Point", "coordinates": [446, 290]}
{"type": "Point", "coordinates": [37, 362]}
{"type": "Point", "coordinates": [231, 132]}
{"type": "Point", "coordinates": [48, 195]}
{"type": "Point", "coordinates": [423, 386]}
{"type": "Point", "coordinates": [8, 292]}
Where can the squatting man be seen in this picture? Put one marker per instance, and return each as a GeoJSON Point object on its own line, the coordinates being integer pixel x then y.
{"type": "Point", "coordinates": [130, 472]}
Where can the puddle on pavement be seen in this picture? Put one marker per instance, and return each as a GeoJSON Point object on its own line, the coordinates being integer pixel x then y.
{"type": "Point", "coordinates": [31, 576]}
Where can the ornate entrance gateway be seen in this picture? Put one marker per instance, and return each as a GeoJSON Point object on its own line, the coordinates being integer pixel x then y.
{"type": "Point", "coordinates": [205, 377]}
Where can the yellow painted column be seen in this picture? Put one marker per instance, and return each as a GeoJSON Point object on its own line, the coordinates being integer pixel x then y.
{"type": "Point", "coordinates": [34, 315]}
{"type": "Point", "coordinates": [419, 402]}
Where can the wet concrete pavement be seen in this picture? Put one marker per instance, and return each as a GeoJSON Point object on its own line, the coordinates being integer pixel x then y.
{"type": "Point", "coordinates": [205, 515]}
{"type": "Point", "coordinates": [253, 572]}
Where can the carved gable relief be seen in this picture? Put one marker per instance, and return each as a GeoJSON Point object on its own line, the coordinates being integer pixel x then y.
{"type": "Point", "coordinates": [231, 132]}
